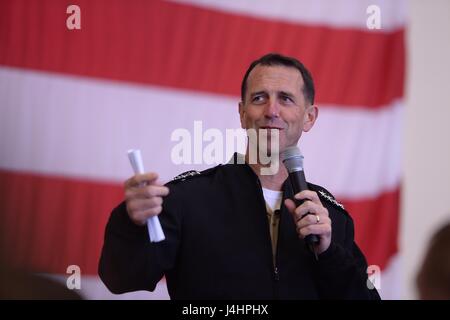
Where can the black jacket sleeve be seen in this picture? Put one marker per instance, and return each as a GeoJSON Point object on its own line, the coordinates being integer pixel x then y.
{"type": "Point", "coordinates": [129, 261]}
{"type": "Point", "coordinates": [342, 270]}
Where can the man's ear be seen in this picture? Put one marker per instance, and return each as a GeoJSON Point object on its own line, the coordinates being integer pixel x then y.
{"type": "Point", "coordinates": [310, 117]}
{"type": "Point", "coordinates": [242, 114]}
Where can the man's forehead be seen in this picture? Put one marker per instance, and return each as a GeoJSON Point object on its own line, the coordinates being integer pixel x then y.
{"type": "Point", "coordinates": [276, 77]}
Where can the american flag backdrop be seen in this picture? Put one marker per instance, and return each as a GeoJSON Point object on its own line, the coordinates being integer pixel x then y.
{"type": "Point", "coordinates": [72, 102]}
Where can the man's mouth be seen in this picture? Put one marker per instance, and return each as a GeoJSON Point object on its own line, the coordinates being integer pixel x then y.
{"type": "Point", "coordinates": [271, 127]}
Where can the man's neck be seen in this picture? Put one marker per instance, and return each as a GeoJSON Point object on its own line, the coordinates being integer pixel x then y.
{"type": "Point", "coordinates": [273, 181]}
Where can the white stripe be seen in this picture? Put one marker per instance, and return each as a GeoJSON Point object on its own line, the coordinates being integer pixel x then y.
{"type": "Point", "coordinates": [392, 279]}
{"type": "Point", "coordinates": [334, 13]}
{"type": "Point", "coordinates": [355, 153]}
{"type": "Point", "coordinates": [92, 288]}
{"type": "Point", "coordinates": [54, 124]}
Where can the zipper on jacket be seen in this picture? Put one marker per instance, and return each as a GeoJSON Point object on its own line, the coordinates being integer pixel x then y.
{"type": "Point", "coordinates": [276, 275]}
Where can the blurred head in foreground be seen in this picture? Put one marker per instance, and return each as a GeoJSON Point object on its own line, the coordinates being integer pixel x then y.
{"type": "Point", "coordinates": [433, 279]}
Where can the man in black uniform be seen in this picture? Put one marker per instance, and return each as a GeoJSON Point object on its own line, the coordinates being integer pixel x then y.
{"type": "Point", "coordinates": [232, 232]}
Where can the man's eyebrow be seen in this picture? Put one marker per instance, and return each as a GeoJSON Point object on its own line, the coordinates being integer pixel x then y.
{"type": "Point", "coordinates": [285, 93]}
{"type": "Point", "coordinates": [257, 93]}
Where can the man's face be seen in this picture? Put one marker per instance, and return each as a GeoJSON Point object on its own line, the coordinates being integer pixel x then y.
{"type": "Point", "coordinates": [274, 100]}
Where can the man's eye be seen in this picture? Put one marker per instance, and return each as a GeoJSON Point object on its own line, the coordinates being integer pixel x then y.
{"type": "Point", "coordinates": [258, 99]}
{"type": "Point", "coordinates": [287, 99]}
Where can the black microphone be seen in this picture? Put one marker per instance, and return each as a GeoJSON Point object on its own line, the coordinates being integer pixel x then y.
{"type": "Point", "coordinates": [293, 161]}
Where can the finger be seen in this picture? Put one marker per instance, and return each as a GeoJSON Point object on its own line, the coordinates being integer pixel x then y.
{"type": "Point", "coordinates": [151, 212]}
{"type": "Point", "coordinates": [143, 204]}
{"type": "Point", "coordinates": [152, 191]}
{"type": "Point", "coordinates": [311, 219]}
{"type": "Point", "coordinates": [148, 213]}
{"type": "Point", "coordinates": [308, 195]}
{"type": "Point", "coordinates": [140, 179]}
{"type": "Point", "coordinates": [290, 205]}
{"type": "Point", "coordinates": [317, 229]}
{"type": "Point", "coordinates": [146, 192]}
{"type": "Point", "coordinates": [305, 208]}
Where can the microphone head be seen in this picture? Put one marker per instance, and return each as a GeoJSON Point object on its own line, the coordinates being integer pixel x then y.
{"type": "Point", "coordinates": [292, 159]}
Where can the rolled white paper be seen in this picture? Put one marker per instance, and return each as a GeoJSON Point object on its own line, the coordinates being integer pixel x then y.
{"type": "Point", "coordinates": [154, 228]}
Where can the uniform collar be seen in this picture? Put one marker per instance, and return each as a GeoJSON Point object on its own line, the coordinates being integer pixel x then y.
{"type": "Point", "coordinates": [238, 160]}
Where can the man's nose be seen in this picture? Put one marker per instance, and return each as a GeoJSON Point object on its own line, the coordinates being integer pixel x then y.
{"type": "Point", "coordinates": [272, 109]}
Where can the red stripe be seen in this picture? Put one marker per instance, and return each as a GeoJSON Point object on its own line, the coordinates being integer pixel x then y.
{"type": "Point", "coordinates": [53, 222]}
{"type": "Point", "coordinates": [187, 47]}
{"type": "Point", "coordinates": [376, 225]}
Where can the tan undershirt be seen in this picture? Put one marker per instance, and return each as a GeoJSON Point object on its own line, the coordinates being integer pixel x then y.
{"type": "Point", "coordinates": [274, 221]}
{"type": "Point", "coordinates": [273, 200]}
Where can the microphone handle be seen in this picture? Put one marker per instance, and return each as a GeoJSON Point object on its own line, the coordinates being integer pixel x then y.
{"type": "Point", "coordinates": [298, 183]}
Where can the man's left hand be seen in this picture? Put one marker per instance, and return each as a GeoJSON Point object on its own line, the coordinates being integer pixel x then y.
{"type": "Point", "coordinates": [316, 222]}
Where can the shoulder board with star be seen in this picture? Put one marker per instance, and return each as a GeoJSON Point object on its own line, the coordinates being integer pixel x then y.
{"type": "Point", "coordinates": [328, 197]}
{"type": "Point", "coordinates": [183, 176]}
{"type": "Point", "coordinates": [194, 173]}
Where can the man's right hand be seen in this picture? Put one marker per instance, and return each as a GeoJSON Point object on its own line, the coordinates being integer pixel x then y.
{"type": "Point", "coordinates": [143, 197]}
